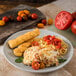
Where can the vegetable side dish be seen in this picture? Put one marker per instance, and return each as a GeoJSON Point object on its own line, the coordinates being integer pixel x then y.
{"type": "Point", "coordinates": [37, 52]}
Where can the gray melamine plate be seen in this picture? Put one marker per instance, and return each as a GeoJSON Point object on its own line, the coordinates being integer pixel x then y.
{"type": "Point", "coordinates": [11, 58]}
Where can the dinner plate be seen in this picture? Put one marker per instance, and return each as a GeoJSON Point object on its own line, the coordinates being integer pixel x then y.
{"type": "Point", "coordinates": [8, 53]}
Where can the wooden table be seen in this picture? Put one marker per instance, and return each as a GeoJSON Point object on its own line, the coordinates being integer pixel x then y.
{"type": "Point", "coordinates": [8, 4]}
{"type": "Point", "coordinates": [50, 10]}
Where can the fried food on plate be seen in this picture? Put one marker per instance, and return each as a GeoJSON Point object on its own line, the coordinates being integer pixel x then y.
{"type": "Point", "coordinates": [21, 48]}
{"type": "Point", "coordinates": [27, 36]}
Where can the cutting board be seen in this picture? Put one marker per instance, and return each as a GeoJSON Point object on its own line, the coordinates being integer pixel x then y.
{"type": "Point", "coordinates": [12, 27]}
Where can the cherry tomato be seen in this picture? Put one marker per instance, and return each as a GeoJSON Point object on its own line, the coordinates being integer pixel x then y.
{"type": "Point", "coordinates": [34, 16]}
{"type": "Point", "coordinates": [42, 65]}
{"type": "Point", "coordinates": [19, 18]}
{"type": "Point", "coordinates": [11, 18]}
{"type": "Point", "coordinates": [25, 18]}
{"type": "Point", "coordinates": [74, 15]}
{"type": "Point", "coordinates": [35, 43]}
{"type": "Point", "coordinates": [40, 25]}
{"type": "Point", "coordinates": [26, 12]}
{"type": "Point", "coordinates": [2, 23]}
{"type": "Point", "coordinates": [50, 21]}
{"type": "Point", "coordinates": [63, 20]}
{"type": "Point", "coordinates": [35, 65]}
{"type": "Point", "coordinates": [22, 15]}
{"type": "Point", "coordinates": [73, 27]}
{"type": "Point", "coordinates": [44, 21]}
{"type": "Point", "coordinates": [20, 12]}
{"type": "Point", "coordinates": [5, 18]}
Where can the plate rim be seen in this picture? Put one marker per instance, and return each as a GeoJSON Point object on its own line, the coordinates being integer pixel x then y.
{"type": "Point", "coordinates": [45, 71]}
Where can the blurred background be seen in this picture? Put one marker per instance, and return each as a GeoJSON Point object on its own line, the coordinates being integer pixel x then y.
{"type": "Point", "coordinates": [8, 4]}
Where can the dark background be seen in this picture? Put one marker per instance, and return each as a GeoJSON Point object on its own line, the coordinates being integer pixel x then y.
{"type": "Point", "coordinates": [33, 1]}
{"type": "Point", "coordinates": [8, 4]}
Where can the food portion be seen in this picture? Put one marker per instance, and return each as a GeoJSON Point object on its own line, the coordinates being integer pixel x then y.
{"type": "Point", "coordinates": [34, 16]}
{"type": "Point", "coordinates": [11, 18]}
{"type": "Point", "coordinates": [74, 15]}
{"type": "Point", "coordinates": [27, 36]}
{"type": "Point", "coordinates": [19, 18]}
{"type": "Point", "coordinates": [40, 25]}
{"type": "Point", "coordinates": [22, 16]}
{"type": "Point", "coordinates": [45, 52]}
{"type": "Point", "coordinates": [21, 48]}
{"type": "Point", "coordinates": [25, 16]}
{"type": "Point", "coordinates": [2, 23]}
{"type": "Point", "coordinates": [63, 20]}
{"type": "Point", "coordinates": [39, 53]}
{"type": "Point", "coordinates": [45, 22]}
{"type": "Point", "coordinates": [73, 27]}
{"type": "Point", "coordinates": [47, 55]}
{"type": "Point", "coordinates": [5, 18]}
{"type": "Point", "coordinates": [50, 21]}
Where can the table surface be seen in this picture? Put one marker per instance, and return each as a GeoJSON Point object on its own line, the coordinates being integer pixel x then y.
{"type": "Point", "coordinates": [69, 69]}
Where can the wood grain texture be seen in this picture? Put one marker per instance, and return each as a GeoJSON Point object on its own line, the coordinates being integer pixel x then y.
{"type": "Point", "coordinates": [12, 27]}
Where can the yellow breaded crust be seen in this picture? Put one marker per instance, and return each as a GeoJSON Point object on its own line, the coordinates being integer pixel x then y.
{"type": "Point", "coordinates": [21, 48]}
{"type": "Point", "coordinates": [27, 36]}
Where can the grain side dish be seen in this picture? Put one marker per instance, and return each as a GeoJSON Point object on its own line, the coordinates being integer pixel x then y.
{"type": "Point", "coordinates": [39, 53]}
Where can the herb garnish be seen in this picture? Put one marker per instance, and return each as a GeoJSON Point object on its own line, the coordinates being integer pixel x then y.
{"type": "Point", "coordinates": [19, 60]}
{"type": "Point", "coordinates": [61, 60]}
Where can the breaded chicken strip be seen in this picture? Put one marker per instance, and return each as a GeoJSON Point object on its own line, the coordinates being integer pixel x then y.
{"type": "Point", "coordinates": [27, 36]}
{"type": "Point", "coordinates": [21, 48]}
